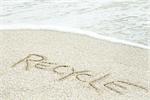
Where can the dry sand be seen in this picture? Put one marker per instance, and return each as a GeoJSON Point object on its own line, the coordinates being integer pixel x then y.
{"type": "Point", "coordinates": [115, 71]}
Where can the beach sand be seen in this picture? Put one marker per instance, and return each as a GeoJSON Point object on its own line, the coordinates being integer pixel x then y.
{"type": "Point", "coordinates": [64, 66]}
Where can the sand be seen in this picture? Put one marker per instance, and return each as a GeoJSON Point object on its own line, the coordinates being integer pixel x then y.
{"type": "Point", "coordinates": [52, 65]}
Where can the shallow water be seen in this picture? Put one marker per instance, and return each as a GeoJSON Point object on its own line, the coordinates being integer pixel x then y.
{"type": "Point", "coordinates": [124, 19]}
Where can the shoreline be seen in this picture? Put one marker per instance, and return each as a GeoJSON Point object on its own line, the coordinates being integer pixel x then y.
{"type": "Point", "coordinates": [73, 31]}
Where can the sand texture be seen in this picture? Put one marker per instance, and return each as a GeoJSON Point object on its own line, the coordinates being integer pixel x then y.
{"type": "Point", "coordinates": [51, 65]}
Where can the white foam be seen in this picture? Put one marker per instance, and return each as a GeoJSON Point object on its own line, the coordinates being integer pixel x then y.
{"type": "Point", "coordinates": [72, 30]}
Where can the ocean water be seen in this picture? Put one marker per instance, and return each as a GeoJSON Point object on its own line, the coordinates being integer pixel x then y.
{"type": "Point", "coordinates": [122, 19]}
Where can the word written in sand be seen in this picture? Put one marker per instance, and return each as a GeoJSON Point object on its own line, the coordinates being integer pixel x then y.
{"type": "Point", "coordinates": [40, 62]}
